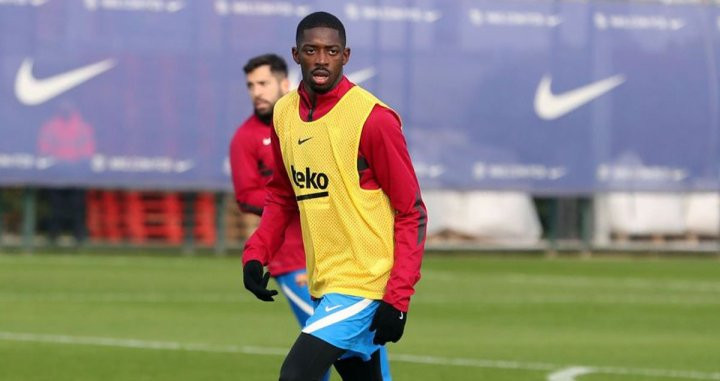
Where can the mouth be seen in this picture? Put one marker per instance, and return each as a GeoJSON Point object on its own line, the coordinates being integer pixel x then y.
{"type": "Point", "coordinates": [261, 104]}
{"type": "Point", "coordinates": [320, 76]}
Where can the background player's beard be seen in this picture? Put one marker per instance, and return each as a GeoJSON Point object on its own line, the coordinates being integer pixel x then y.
{"type": "Point", "coordinates": [267, 116]}
{"type": "Point", "coordinates": [264, 117]}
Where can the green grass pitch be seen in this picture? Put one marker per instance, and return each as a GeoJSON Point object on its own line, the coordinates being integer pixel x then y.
{"type": "Point", "coordinates": [74, 317]}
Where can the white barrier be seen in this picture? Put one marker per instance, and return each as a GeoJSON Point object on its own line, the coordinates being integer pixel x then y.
{"type": "Point", "coordinates": [496, 217]}
{"type": "Point", "coordinates": [651, 214]}
{"type": "Point", "coordinates": [703, 214]}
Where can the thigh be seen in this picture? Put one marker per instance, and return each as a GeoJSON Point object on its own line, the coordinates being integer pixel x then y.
{"type": "Point", "coordinates": [309, 359]}
{"type": "Point", "coordinates": [344, 321]}
{"type": "Point", "coordinates": [355, 369]}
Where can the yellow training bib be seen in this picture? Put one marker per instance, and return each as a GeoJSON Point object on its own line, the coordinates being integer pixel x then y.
{"type": "Point", "coordinates": [348, 232]}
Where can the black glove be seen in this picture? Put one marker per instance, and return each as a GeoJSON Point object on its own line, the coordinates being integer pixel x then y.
{"type": "Point", "coordinates": [388, 323]}
{"type": "Point", "coordinates": [256, 283]}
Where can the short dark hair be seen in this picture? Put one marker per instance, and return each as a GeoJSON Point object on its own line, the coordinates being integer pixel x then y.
{"type": "Point", "coordinates": [277, 64]}
{"type": "Point", "coordinates": [320, 19]}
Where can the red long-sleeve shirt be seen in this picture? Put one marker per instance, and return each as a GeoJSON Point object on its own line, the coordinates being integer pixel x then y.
{"type": "Point", "coordinates": [383, 162]}
{"type": "Point", "coordinates": [252, 164]}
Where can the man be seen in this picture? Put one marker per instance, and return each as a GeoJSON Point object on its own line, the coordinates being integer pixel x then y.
{"type": "Point", "coordinates": [347, 172]}
{"type": "Point", "coordinates": [251, 164]}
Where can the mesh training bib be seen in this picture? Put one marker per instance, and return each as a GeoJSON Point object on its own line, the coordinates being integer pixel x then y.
{"type": "Point", "coordinates": [347, 231]}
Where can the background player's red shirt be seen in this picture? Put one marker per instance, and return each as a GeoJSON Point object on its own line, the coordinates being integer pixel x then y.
{"type": "Point", "coordinates": [251, 163]}
{"type": "Point", "coordinates": [383, 162]}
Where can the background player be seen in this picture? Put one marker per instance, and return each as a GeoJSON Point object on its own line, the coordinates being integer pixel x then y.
{"type": "Point", "coordinates": [252, 164]}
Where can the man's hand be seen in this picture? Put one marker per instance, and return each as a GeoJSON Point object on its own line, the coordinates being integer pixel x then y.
{"type": "Point", "coordinates": [301, 280]}
{"type": "Point", "coordinates": [256, 283]}
{"type": "Point", "coordinates": [388, 324]}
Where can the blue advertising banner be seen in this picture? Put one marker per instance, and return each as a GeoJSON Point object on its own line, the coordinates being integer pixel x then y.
{"type": "Point", "coordinates": [541, 96]}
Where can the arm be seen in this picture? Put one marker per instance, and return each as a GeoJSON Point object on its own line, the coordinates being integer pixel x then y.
{"type": "Point", "coordinates": [248, 182]}
{"type": "Point", "coordinates": [280, 208]}
{"type": "Point", "coordinates": [383, 147]}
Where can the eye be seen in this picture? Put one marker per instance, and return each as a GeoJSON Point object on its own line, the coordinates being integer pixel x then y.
{"type": "Point", "coordinates": [333, 51]}
{"type": "Point", "coordinates": [309, 50]}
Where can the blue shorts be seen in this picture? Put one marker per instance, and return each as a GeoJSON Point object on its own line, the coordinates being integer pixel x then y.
{"type": "Point", "coordinates": [344, 321]}
{"type": "Point", "coordinates": [297, 296]}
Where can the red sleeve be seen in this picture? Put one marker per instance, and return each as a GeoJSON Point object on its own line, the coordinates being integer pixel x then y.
{"type": "Point", "coordinates": [383, 146]}
{"type": "Point", "coordinates": [247, 181]}
{"type": "Point", "coordinates": [280, 209]}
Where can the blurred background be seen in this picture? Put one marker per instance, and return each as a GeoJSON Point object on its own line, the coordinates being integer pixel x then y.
{"type": "Point", "coordinates": [532, 124]}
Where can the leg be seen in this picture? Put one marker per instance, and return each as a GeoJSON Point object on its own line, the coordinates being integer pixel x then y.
{"type": "Point", "coordinates": [344, 321]}
{"type": "Point", "coordinates": [298, 296]}
{"type": "Point", "coordinates": [355, 369]}
{"type": "Point", "coordinates": [309, 359]}
{"type": "Point", "coordinates": [385, 364]}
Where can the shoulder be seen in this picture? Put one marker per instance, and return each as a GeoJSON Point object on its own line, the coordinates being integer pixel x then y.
{"type": "Point", "coordinates": [244, 132]}
{"type": "Point", "coordinates": [381, 113]}
{"type": "Point", "coordinates": [247, 126]}
{"type": "Point", "coordinates": [286, 100]}
{"type": "Point", "coordinates": [382, 119]}
{"type": "Point", "coordinates": [382, 125]}
{"type": "Point", "coordinates": [360, 93]}
{"type": "Point", "coordinates": [283, 110]}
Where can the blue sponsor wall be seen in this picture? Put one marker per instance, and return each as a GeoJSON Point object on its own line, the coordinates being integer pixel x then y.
{"type": "Point", "coordinates": [550, 97]}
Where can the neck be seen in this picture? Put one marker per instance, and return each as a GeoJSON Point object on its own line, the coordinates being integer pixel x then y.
{"type": "Point", "coordinates": [264, 118]}
{"type": "Point", "coordinates": [312, 95]}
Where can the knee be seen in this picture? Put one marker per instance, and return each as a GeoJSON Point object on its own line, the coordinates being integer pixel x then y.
{"type": "Point", "coordinates": [291, 372]}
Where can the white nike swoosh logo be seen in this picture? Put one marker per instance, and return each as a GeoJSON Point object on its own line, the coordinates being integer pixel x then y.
{"type": "Point", "coordinates": [361, 75]}
{"type": "Point", "coordinates": [551, 106]}
{"type": "Point", "coordinates": [32, 91]}
{"type": "Point", "coordinates": [328, 309]}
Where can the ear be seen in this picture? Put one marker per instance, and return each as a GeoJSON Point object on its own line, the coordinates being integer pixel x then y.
{"type": "Point", "coordinates": [296, 55]}
{"type": "Point", "coordinates": [346, 56]}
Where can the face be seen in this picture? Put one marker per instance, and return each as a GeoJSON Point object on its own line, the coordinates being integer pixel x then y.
{"type": "Point", "coordinates": [265, 88]}
{"type": "Point", "coordinates": [321, 56]}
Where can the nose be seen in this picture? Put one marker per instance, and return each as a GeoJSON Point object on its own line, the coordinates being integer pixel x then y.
{"type": "Point", "coordinates": [255, 92]}
{"type": "Point", "coordinates": [322, 58]}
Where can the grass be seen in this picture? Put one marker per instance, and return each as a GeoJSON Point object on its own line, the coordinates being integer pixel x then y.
{"type": "Point", "coordinates": [68, 317]}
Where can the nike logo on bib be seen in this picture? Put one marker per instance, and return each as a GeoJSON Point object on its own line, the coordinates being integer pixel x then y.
{"type": "Point", "coordinates": [301, 141]}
